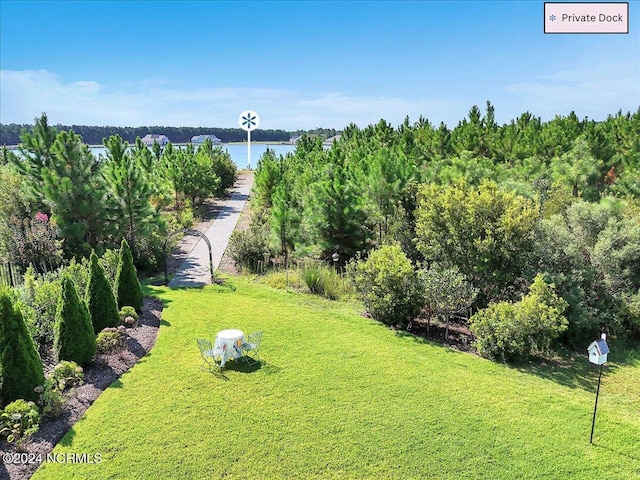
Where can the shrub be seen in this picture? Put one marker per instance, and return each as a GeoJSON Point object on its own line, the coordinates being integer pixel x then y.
{"type": "Point", "coordinates": [99, 297]}
{"type": "Point", "coordinates": [128, 288]}
{"type": "Point", "coordinates": [18, 421]}
{"type": "Point", "coordinates": [111, 340]}
{"type": "Point", "coordinates": [225, 169]}
{"type": "Point", "coordinates": [50, 399]}
{"type": "Point", "coordinates": [74, 337]}
{"type": "Point", "coordinates": [20, 364]}
{"type": "Point", "coordinates": [78, 273]}
{"type": "Point", "coordinates": [66, 374]}
{"type": "Point", "coordinates": [312, 274]}
{"type": "Point", "coordinates": [322, 280]}
{"type": "Point", "coordinates": [515, 331]}
{"type": "Point", "coordinates": [128, 311]}
{"type": "Point", "coordinates": [250, 249]}
{"type": "Point", "coordinates": [109, 262]}
{"type": "Point", "coordinates": [388, 286]}
{"type": "Point", "coordinates": [38, 302]}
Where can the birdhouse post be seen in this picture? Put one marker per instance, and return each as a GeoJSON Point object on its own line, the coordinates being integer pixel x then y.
{"type": "Point", "coordinates": [598, 351]}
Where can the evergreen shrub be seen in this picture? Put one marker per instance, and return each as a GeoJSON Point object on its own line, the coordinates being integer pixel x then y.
{"type": "Point", "coordinates": [388, 286]}
{"type": "Point", "coordinates": [74, 338]}
{"type": "Point", "coordinates": [128, 288]}
{"type": "Point", "coordinates": [516, 331]}
{"type": "Point", "coordinates": [20, 365]}
{"type": "Point", "coordinates": [99, 297]}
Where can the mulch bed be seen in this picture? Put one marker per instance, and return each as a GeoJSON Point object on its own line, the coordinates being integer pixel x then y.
{"type": "Point", "coordinates": [460, 337]}
{"type": "Point", "coordinates": [98, 375]}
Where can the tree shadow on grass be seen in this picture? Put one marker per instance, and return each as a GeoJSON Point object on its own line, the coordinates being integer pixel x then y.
{"type": "Point", "coordinates": [631, 455]}
{"type": "Point", "coordinates": [571, 372]}
{"type": "Point", "coordinates": [574, 370]}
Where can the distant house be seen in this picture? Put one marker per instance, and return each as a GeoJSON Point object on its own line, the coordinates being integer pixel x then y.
{"type": "Point", "coordinates": [294, 140]}
{"type": "Point", "coordinates": [199, 139]}
{"type": "Point", "coordinates": [150, 138]}
{"type": "Point", "coordinates": [329, 141]}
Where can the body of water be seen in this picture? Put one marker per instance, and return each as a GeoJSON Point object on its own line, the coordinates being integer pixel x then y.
{"type": "Point", "coordinates": [238, 152]}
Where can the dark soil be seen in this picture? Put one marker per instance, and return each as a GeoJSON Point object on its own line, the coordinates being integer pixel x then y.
{"type": "Point", "coordinates": [98, 375]}
{"type": "Point", "coordinates": [460, 337]}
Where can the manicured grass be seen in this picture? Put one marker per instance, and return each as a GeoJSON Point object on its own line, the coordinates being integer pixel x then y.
{"type": "Point", "coordinates": [341, 396]}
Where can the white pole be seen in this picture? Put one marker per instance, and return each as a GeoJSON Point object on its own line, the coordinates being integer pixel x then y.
{"type": "Point", "coordinates": [249, 148]}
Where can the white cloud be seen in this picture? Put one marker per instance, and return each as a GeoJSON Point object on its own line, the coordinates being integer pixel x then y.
{"type": "Point", "coordinates": [25, 94]}
{"type": "Point", "coordinates": [594, 90]}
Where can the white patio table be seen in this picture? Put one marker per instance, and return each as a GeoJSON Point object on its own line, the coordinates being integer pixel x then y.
{"type": "Point", "coordinates": [230, 342]}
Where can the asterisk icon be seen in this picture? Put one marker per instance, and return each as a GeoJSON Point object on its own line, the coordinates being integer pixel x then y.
{"type": "Point", "coordinates": [248, 120]}
{"type": "Point", "coordinates": [552, 18]}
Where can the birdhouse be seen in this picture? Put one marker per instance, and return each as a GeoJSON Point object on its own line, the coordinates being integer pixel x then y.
{"type": "Point", "coordinates": [598, 351]}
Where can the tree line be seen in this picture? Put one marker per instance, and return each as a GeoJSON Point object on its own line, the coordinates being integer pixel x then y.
{"type": "Point", "coordinates": [93, 135]}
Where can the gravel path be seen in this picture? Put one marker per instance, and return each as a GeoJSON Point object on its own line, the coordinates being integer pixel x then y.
{"type": "Point", "coordinates": [195, 270]}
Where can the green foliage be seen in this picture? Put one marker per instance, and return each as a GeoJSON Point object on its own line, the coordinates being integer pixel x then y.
{"type": "Point", "coordinates": [447, 292]}
{"type": "Point", "coordinates": [130, 189]}
{"type": "Point", "coordinates": [20, 365]}
{"type": "Point", "coordinates": [74, 338]}
{"type": "Point", "coordinates": [50, 399]}
{"type": "Point", "coordinates": [79, 273]}
{"type": "Point", "coordinates": [109, 262]}
{"type": "Point", "coordinates": [14, 205]}
{"type": "Point", "coordinates": [250, 248]}
{"type": "Point", "coordinates": [19, 421]}
{"type": "Point", "coordinates": [322, 280]}
{"type": "Point", "coordinates": [486, 232]}
{"type": "Point", "coordinates": [128, 311]}
{"type": "Point", "coordinates": [50, 395]}
{"type": "Point", "coordinates": [74, 190]}
{"type": "Point", "coordinates": [515, 331]}
{"type": "Point", "coordinates": [388, 286]}
{"type": "Point", "coordinates": [38, 302]}
{"type": "Point", "coordinates": [99, 297]}
{"type": "Point", "coordinates": [337, 213]}
{"type": "Point", "coordinates": [66, 374]}
{"type": "Point", "coordinates": [221, 164]}
{"type": "Point", "coordinates": [591, 254]}
{"type": "Point", "coordinates": [111, 340]}
{"type": "Point", "coordinates": [128, 288]}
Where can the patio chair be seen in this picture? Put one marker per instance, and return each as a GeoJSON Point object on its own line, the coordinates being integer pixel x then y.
{"type": "Point", "coordinates": [212, 356]}
{"type": "Point", "coordinates": [252, 344]}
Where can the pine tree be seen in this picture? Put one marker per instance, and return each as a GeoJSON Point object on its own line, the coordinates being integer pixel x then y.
{"type": "Point", "coordinates": [99, 297]}
{"type": "Point", "coordinates": [130, 191]}
{"type": "Point", "coordinates": [74, 190]}
{"type": "Point", "coordinates": [74, 338]}
{"type": "Point", "coordinates": [20, 364]}
{"type": "Point", "coordinates": [338, 216]}
{"type": "Point", "coordinates": [128, 288]}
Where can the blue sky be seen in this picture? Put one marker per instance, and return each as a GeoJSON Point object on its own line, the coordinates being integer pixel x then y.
{"type": "Point", "coordinates": [303, 64]}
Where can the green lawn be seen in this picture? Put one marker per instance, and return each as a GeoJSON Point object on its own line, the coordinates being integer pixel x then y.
{"type": "Point", "coordinates": [341, 396]}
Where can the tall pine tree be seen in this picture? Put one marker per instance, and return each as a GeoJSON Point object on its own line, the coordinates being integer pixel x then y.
{"type": "Point", "coordinates": [130, 191]}
{"type": "Point", "coordinates": [75, 191]}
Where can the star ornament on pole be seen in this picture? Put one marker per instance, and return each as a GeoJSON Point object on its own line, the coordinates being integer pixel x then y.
{"type": "Point", "coordinates": [249, 121]}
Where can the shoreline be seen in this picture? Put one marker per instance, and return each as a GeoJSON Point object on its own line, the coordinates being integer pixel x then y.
{"type": "Point", "coordinates": [267, 142]}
